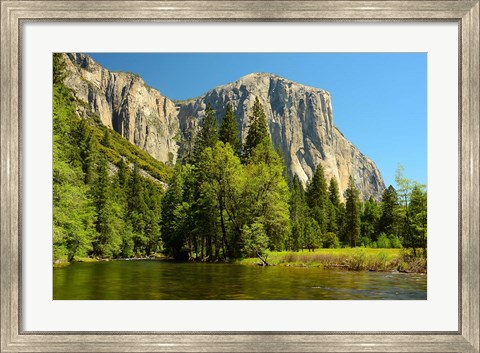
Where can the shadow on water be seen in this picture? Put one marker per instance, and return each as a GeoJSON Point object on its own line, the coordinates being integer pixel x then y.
{"type": "Point", "coordinates": [157, 280]}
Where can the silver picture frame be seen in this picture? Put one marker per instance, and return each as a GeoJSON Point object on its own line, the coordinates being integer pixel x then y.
{"type": "Point", "coordinates": [14, 339]}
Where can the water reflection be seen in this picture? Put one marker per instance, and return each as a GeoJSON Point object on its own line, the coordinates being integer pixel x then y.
{"type": "Point", "coordinates": [145, 280]}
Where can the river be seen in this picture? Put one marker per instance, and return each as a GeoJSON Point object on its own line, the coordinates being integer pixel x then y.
{"type": "Point", "coordinates": [149, 279]}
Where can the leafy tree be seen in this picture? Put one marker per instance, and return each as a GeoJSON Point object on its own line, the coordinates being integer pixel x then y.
{"type": "Point", "coordinates": [330, 240]}
{"type": "Point", "coordinates": [229, 132]}
{"type": "Point", "coordinates": [257, 130]}
{"type": "Point", "coordinates": [223, 176]}
{"type": "Point", "coordinates": [405, 187]}
{"type": "Point", "coordinates": [266, 194]}
{"type": "Point", "coordinates": [352, 213]}
{"type": "Point", "coordinates": [418, 208]}
{"type": "Point", "coordinates": [73, 214]}
{"type": "Point", "coordinates": [255, 241]}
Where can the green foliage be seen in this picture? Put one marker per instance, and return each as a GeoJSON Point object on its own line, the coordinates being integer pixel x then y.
{"type": "Point", "coordinates": [330, 240]}
{"type": "Point", "coordinates": [369, 220]}
{"type": "Point", "coordinates": [215, 208]}
{"type": "Point", "coordinates": [208, 134]}
{"type": "Point", "coordinates": [312, 235]}
{"type": "Point", "coordinates": [255, 240]}
{"type": "Point", "coordinates": [96, 214]}
{"type": "Point", "coordinates": [317, 198]}
{"type": "Point", "coordinates": [257, 130]}
{"type": "Point", "coordinates": [352, 214]}
{"type": "Point", "coordinates": [59, 66]}
{"type": "Point", "coordinates": [266, 193]}
{"type": "Point", "coordinates": [229, 132]}
{"type": "Point", "coordinates": [388, 219]}
{"type": "Point", "coordinates": [383, 241]}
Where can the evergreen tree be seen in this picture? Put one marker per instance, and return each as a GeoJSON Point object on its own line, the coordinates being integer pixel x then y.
{"type": "Point", "coordinates": [257, 131]}
{"type": "Point", "coordinates": [107, 241]}
{"type": "Point", "coordinates": [312, 235]}
{"type": "Point", "coordinates": [298, 212]}
{"type": "Point", "coordinates": [153, 198]}
{"type": "Point", "coordinates": [87, 147]}
{"type": "Point", "coordinates": [106, 139]}
{"type": "Point", "coordinates": [352, 214]}
{"type": "Point", "coordinates": [334, 193]}
{"type": "Point", "coordinates": [229, 132]}
{"type": "Point", "coordinates": [174, 215]}
{"type": "Point", "coordinates": [136, 210]}
{"type": "Point", "coordinates": [388, 208]}
{"type": "Point", "coordinates": [208, 134]}
{"type": "Point", "coordinates": [317, 198]}
{"type": "Point", "coordinates": [369, 221]}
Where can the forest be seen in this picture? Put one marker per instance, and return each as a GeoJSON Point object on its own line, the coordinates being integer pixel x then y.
{"type": "Point", "coordinates": [222, 200]}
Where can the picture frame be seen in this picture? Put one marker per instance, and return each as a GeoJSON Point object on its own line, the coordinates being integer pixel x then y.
{"type": "Point", "coordinates": [15, 339]}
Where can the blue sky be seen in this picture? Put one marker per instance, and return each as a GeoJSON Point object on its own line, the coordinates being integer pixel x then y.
{"type": "Point", "coordinates": [379, 99]}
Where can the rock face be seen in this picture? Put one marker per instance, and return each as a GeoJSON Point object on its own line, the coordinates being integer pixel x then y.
{"type": "Point", "coordinates": [126, 104]}
{"type": "Point", "coordinates": [301, 125]}
{"type": "Point", "coordinates": [300, 119]}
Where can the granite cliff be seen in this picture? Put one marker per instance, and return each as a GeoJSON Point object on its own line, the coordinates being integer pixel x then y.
{"type": "Point", "coordinates": [300, 119]}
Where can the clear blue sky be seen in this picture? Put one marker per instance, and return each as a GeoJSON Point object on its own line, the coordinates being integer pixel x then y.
{"type": "Point", "coordinates": [379, 99]}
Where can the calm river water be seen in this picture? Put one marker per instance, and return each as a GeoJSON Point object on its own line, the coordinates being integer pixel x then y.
{"type": "Point", "coordinates": [145, 279]}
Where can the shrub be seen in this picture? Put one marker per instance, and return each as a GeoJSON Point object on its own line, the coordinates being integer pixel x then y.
{"type": "Point", "coordinates": [383, 241]}
{"type": "Point", "coordinates": [395, 242]}
{"type": "Point", "coordinates": [330, 240]}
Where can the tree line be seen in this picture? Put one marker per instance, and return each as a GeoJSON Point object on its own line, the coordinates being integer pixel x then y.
{"type": "Point", "coordinates": [225, 200]}
{"type": "Point", "coordinates": [103, 207]}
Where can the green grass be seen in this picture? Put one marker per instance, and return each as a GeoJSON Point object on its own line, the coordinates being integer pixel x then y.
{"type": "Point", "coordinates": [353, 259]}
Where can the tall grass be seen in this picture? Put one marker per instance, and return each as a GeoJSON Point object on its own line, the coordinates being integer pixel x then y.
{"type": "Point", "coordinates": [355, 259]}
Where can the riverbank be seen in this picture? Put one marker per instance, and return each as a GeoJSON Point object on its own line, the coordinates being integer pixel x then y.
{"type": "Point", "coordinates": [351, 259]}
{"type": "Point", "coordinates": [64, 263]}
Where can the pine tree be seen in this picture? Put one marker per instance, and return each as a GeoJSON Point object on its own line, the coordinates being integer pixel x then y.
{"type": "Point", "coordinates": [107, 240]}
{"type": "Point", "coordinates": [352, 214]}
{"type": "Point", "coordinates": [106, 139]}
{"type": "Point", "coordinates": [317, 198]}
{"type": "Point", "coordinates": [388, 208]}
{"type": "Point", "coordinates": [333, 192]}
{"type": "Point", "coordinates": [229, 132]}
{"type": "Point", "coordinates": [87, 148]}
{"type": "Point", "coordinates": [369, 221]}
{"type": "Point", "coordinates": [208, 134]}
{"type": "Point", "coordinates": [257, 131]}
{"type": "Point", "coordinates": [298, 212]}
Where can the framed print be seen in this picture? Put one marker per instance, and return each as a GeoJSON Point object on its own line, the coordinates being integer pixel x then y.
{"type": "Point", "coordinates": [408, 73]}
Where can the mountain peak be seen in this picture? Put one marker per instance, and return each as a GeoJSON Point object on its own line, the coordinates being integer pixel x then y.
{"type": "Point", "coordinates": [300, 119]}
